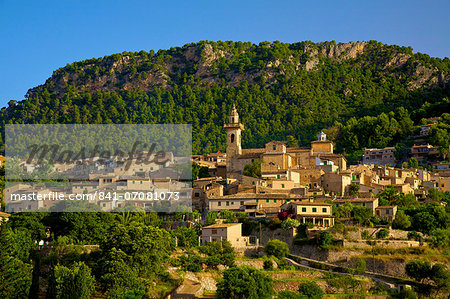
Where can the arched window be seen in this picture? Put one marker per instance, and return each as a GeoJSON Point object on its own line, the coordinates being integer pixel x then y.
{"type": "Point", "coordinates": [232, 138]}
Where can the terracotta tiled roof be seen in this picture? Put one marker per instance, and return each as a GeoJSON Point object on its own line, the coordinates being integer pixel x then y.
{"type": "Point", "coordinates": [4, 215]}
{"type": "Point", "coordinates": [354, 200]}
{"type": "Point", "coordinates": [221, 225]}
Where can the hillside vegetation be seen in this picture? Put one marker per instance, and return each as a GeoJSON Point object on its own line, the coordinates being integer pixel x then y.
{"type": "Point", "coordinates": [365, 93]}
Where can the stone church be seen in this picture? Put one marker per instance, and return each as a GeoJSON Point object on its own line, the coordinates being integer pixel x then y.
{"type": "Point", "coordinates": [276, 157]}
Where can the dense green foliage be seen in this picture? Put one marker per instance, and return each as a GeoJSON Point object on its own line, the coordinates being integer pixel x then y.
{"type": "Point", "coordinates": [254, 169]}
{"type": "Point", "coordinates": [310, 290]}
{"type": "Point", "coordinates": [244, 282]}
{"type": "Point", "coordinates": [218, 253]}
{"type": "Point", "coordinates": [277, 248]}
{"type": "Point", "coordinates": [382, 233]}
{"type": "Point", "coordinates": [360, 266]}
{"type": "Point", "coordinates": [359, 98]}
{"type": "Point", "coordinates": [74, 282]}
{"type": "Point", "coordinates": [438, 273]}
{"type": "Point", "coordinates": [15, 262]}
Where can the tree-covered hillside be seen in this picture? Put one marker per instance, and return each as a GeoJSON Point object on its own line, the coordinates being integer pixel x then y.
{"type": "Point", "coordinates": [280, 90]}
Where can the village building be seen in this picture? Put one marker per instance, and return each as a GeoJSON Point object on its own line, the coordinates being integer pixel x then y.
{"type": "Point", "coordinates": [277, 158]}
{"type": "Point", "coordinates": [442, 168]}
{"type": "Point", "coordinates": [318, 213]}
{"type": "Point", "coordinates": [371, 203]}
{"type": "Point", "coordinates": [336, 183]}
{"type": "Point", "coordinates": [256, 205]}
{"type": "Point", "coordinates": [380, 156]}
{"type": "Point", "coordinates": [386, 212]}
{"type": "Point", "coordinates": [426, 151]}
{"type": "Point", "coordinates": [444, 184]}
{"type": "Point", "coordinates": [231, 232]}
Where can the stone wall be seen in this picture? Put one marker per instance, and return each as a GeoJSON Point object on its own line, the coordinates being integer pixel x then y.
{"type": "Point", "coordinates": [383, 243]}
{"type": "Point", "coordinates": [281, 234]}
{"type": "Point", "coordinates": [356, 233]}
{"type": "Point", "coordinates": [249, 251]}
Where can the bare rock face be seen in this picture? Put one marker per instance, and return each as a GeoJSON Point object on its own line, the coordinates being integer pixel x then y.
{"type": "Point", "coordinates": [344, 51]}
{"type": "Point", "coordinates": [339, 52]}
{"type": "Point", "coordinates": [191, 54]}
{"type": "Point", "coordinates": [397, 61]}
{"type": "Point", "coordinates": [208, 56]}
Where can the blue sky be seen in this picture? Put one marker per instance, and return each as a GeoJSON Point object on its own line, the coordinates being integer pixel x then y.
{"type": "Point", "coordinates": [37, 37]}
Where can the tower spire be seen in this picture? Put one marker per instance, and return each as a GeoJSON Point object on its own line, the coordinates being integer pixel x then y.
{"type": "Point", "coordinates": [234, 149]}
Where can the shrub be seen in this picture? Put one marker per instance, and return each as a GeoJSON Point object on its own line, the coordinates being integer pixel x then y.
{"type": "Point", "coordinates": [365, 235]}
{"type": "Point", "coordinates": [310, 290]}
{"type": "Point", "coordinates": [218, 253]}
{"type": "Point", "coordinates": [419, 270]}
{"type": "Point", "coordinates": [268, 265]}
{"type": "Point", "coordinates": [401, 221]}
{"type": "Point", "coordinates": [274, 223]}
{"type": "Point", "coordinates": [325, 240]}
{"type": "Point", "coordinates": [440, 237]}
{"type": "Point", "coordinates": [277, 248]}
{"type": "Point", "coordinates": [187, 237]}
{"type": "Point", "coordinates": [244, 282]}
{"type": "Point", "coordinates": [192, 263]}
{"type": "Point", "coordinates": [287, 295]}
{"type": "Point", "coordinates": [360, 266]}
{"type": "Point", "coordinates": [74, 282]}
{"type": "Point", "coordinates": [289, 223]}
{"type": "Point", "coordinates": [382, 233]}
{"type": "Point", "coordinates": [413, 235]}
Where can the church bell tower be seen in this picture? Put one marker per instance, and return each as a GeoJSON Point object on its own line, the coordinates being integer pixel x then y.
{"type": "Point", "coordinates": [234, 148]}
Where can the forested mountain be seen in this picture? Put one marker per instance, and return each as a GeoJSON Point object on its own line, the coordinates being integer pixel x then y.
{"type": "Point", "coordinates": [364, 93]}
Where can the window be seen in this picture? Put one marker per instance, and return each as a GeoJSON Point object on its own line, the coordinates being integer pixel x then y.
{"type": "Point", "coordinates": [303, 210]}
{"type": "Point", "coordinates": [141, 182]}
{"type": "Point", "coordinates": [232, 203]}
{"type": "Point", "coordinates": [278, 176]}
{"type": "Point", "coordinates": [274, 200]}
{"type": "Point", "coordinates": [242, 203]}
{"type": "Point", "coordinates": [314, 210]}
{"type": "Point", "coordinates": [274, 147]}
{"type": "Point", "coordinates": [282, 185]}
{"type": "Point", "coordinates": [219, 204]}
{"type": "Point", "coordinates": [214, 231]}
{"type": "Point", "coordinates": [228, 203]}
{"type": "Point", "coordinates": [232, 138]}
{"type": "Point", "coordinates": [267, 200]}
{"type": "Point", "coordinates": [324, 210]}
{"type": "Point", "coordinates": [197, 194]}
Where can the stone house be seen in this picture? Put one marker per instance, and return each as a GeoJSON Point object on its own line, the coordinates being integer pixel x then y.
{"type": "Point", "coordinates": [336, 183]}
{"type": "Point", "coordinates": [231, 232]}
{"type": "Point", "coordinates": [318, 213]}
{"type": "Point", "coordinates": [371, 203]}
{"type": "Point", "coordinates": [386, 212]}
